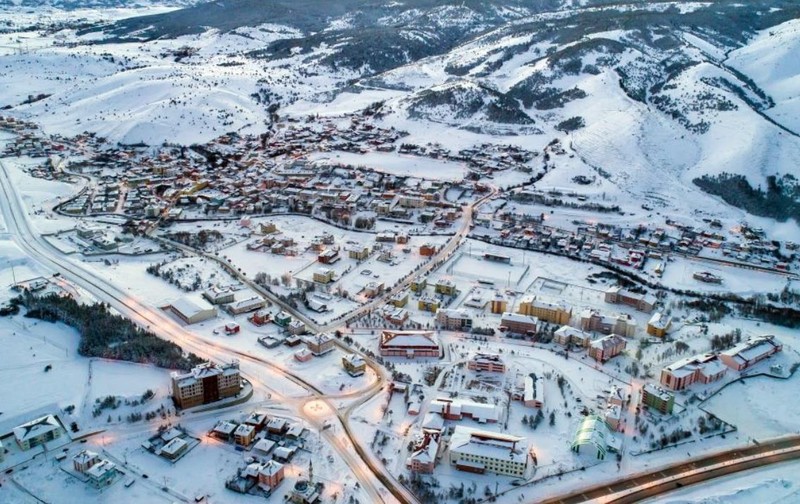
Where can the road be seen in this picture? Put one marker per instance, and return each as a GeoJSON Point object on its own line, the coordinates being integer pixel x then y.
{"type": "Point", "coordinates": [40, 250]}
{"type": "Point", "coordinates": [659, 481]}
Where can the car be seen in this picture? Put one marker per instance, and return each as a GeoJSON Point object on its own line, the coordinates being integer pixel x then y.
{"type": "Point", "coordinates": [145, 476]}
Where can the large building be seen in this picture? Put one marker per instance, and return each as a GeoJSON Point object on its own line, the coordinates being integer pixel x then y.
{"type": "Point", "coordinates": [37, 432]}
{"type": "Point", "coordinates": [750, 352]}
{"type": "Point", "coordinates": [606, 347]}
{"type": "Point", "coordinates": [193, 310]}
{"type": "Point", "coordinates": [592, 320]}
{"type": "Point", "coordinates": [618, 295]}
{"type": "Point", "coordinates": [519, 324]}
{"type": "Point", "coordinates": [205, 383]}
{"type": "Point", "coordinates": [410, 344]}
{"type": "Point", "coordinates": [454, 320]}
{"type": "Point", "coordinates": [479, 452]}
{"type": "Point", "coordinates": [456, 409]}
{"type": "Point", "coordinates": [248, 305]}
{"type": "Point", "coordinates": [658, 398]}
{"type": "Point", "coordinates": [659, 324]}
{"type": "Point", "coordinates": [491, 363]}
{"type": "Point", "coordinates": [705, 368]}
{"type": "Point", "coordinates": [554, 313]}
{"type": "Point", "coordinates": [592, 432]}
{"type": "Point", "coordinates": [423, 458]}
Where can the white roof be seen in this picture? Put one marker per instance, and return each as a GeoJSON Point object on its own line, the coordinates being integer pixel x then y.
{"type": "Point", "coordinates": [100, 469]}
{"type": "Point", "coordinates": [244, 430]}
{"type": "Point", "coordinates": [488, 444]}
{"type": "Point", "coordinates": [409, 338]}
{"type": "Point", "coordinates": [271, 468]}
{"type": "Point", "coordinates": [264, 445]}
{"type": "Point", "coordinates": [191, 306]}
{"type": "Point", "coordinates": [36, 428]}
{"type": "Point", "coordinates": [173, 446]}
{"type": "Point", "coordinates": [516, 317]}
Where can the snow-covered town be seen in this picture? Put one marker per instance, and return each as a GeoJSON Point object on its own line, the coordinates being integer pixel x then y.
{"type": "Point", "coordinates": [232, 279]}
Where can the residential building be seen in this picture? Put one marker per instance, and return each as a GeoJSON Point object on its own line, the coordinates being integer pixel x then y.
{"type": "Point", "coordinates": [491, 363]}
{"type": "Point", "coordinates": [296, 327]}
{"type": "Point", "coordinates": [519, 324]}
{"type": "Point", "coordinates": [427, 249]}
{"type": "Point", "coordinates": [224, 430]}
{"type": "Point", "coordinates": [641, 302]}
{"type": "Point", "coordinates": [566, 336]}
{"type": "Point", "coordinates": [303, 355]}
{"type": "Point", "coordinates": [705, 368]}
{"type": "Point", "coordinates": [329, 256]}
{"type": "Point", "coordinates": [205, 383]}
{"type": "Point", "coordinates": [323, 275]}
{"type": "Point", "coordinates": [283, 319]}
{"type": "Point", "coordinates": [750, 352]}
{"type": "Point", "coordinates": [102, 473]}
{"type": "Point", "coordinates": [354, 365]}
{"type": "Point", "coordinates": [359, 253]}
{"type": "Point", "coordinates": [409, 344]}
{"type": "Point", "coordinates": [373, 289]}
{"type": "Point", "coordinates": [657, 398]}
{"type": "Point", "coordinates": [446, 287]}
{"type": "Point", "coordinates": [479, 451]}
{"type": "Point", "coordinates": [592, 320]}
{"type": "Point", "coordinates": [423, 458]}
{"type": "Point", "coordinates": [453, 320]}
{"type": "Point", "coordinates": [244, 435]}
{"type": "Point", "coordinates": [659, 324]}
{"type": "Point", "coordinates": [399, 299]}
{"type": "Point", "coordinates": [320, 344]}
{"type": "Point", "coordinates": [533, 392]}
{"type": "Point", "coordinates": [606, 347]}
{"type": "Point", "coordinates": [174, 449]}
{"type": "Point", "coordinates": [270, 474]}
{"type": "Point", "coordinates": [552, 312]}
{"type": "Point", "coordinates": [419, 285]}
{"type": "Point", "coordinates": [428, 303]}
{"type": "Point", "coordinates": [38, 431]}
{"type": "Point", "coordinates": [498, 304]}
{"type": "Point", "coordinates": [250, 304]}
{"type": "Point", "coordinates": [217, 296]}
{"type": "Point", "coordinates": [84, 459]}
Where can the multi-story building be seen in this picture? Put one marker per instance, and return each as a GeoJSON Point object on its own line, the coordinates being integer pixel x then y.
{"type": "Point", "coordinates": [498, 304]}
{"type": "Point", "coordinates": [423, 458]}
{"type": "Point", "coordinates": [428, 303]}
{"type": "Point", "coordinates": [519, 324]}
{"type": "Point", "coordinates": [419, 285]}
{"type": "Point", "coordinates": [323, 275]}
{"type": "Point", "coordinates": [354, 365]}
{"type": "Point", "coordinates": [659, 324]}
{"type": "Point", "coordinates": [456, 409]}
{"type": "Point", "coordinates": [705, 368]}
{"type": "Point", "coordinates": [244, 435]}
{"type": "Point", "coordinates": [37, 432]}
{"type": "Point", "coordinates": [205, 383]}
{"type": "Point", "coordinates": [446, 287]}
{"type": "Point", "coordinates": [270, 474]}
{"type": "Point", "coordinates": [567, 335]}
{"type": "Point", "coordinates": [750, 352]}
{"type": "Point", "coordinates": [320, 344]}
{"type": "Point", "coordinates": [658, 398]}
{"type": "Point", "coordinates": [606, 347]}
{"type": "Point", "coordinates": [358, 252]}
{"type": "Point", "coordinates": [552, 312]}
{"type": "Point", "coordinates": [399, 299]}
{"type": "Point", "coordinates": [454, 320]}
{"type": "Point", "coordinates": [479, 451]}
{"type": "Point", "coordinates": [592, 320]}
{"type": "Point", "coordinates": [410, 344]}
{"type": "Point", "coordinates": [533, 391]}
{"type": "Point", "coordinates": [618, 295]}
{"type": "Point", "coordinates": [217, 296]}
{"type": "Point", "coordinates": [427, 249]}
{"type": "Point", "coordinates": [491, 363]}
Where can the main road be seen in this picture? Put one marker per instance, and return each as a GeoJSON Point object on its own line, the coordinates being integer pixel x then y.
{"type": "Point", "coordinates": [376, 482]}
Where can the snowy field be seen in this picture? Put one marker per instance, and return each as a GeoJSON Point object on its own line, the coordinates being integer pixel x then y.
{"type": "Point", "coordinates": [398, 164]}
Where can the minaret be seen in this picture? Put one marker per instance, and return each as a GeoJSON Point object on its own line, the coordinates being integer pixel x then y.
{"type": "Point", "coordinates": [310, 473]}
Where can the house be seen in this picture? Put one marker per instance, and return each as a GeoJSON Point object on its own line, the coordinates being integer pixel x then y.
{"type": "Point", "coordinates": [453, 320]}
{"type": "Point", "coordinates": [354, 365]}
{"type": "Point", "coordinates": [193, 310]}
{"type": "Point", "coordinates": [399, 299]}
{"type": "Point", "coordinates": [358, 252]}
{"type": "Point", "coordinates": [427, 249]}
{"type": "Point", "coordinates": [445, 287]}
{"type": "Point", "coordinates": [641, 302]}
{"type": "Point", "coordinates": [244, 435]}
{"type": "Point", "coordinates": [477, 451]}
{"type": "Point", "coordinates": [38, 432]}
{"type": "Point", "coordinates": [323, 275]}
{"type": "Point", "coordinates": [232, 328]}
{"type": "Point", "coordinates": [320, 344]}
{"type": "Point", "coordinates": [518, 324]}
{"type": "Point", "coordinates": [533, 392]}
{"type": "Point", "coordinates": [224, 430]}
{"type": "Point", "coordinates": [705, 368]}
{"type": "Point", "coordinates": [263, 447]}
{"type": "Point", "coordinates": [409, 344]}
{"type": "Point", "coordinates": [284, 453]}
{"type": "Point", "coordinates": [373, 289]}
{"type": "Point", "coordinates": [606, 347]}
{"type": "Point", "coordinates": [423, 458]}
{"type": "Point", "coordinates": [257, 420]}
{"type": "Point", "coordinates": [205, 383]}
{"type": "Point", "coordinates": [657, 398]}
{"type": "Point", "coordinates": [659, 324]}
{"type": "Point", "coordinates": [491, 363]}
{"type": "Point", "coordinates": [261, 317]}
{"type": "Point", "coordinates": [270, 474]}
{"type": "Point", "coordinates": [277, 426]}
{"type": "Point", "coordinates": [282, 319]}
{"type": "Point", "coordinates": [750, 352]}
{"type": "Point", "coordinates": [552, 312]}
{"type": "Point", "coordinates": [329, 256]}
{"type": "Point", "coordinates": [303, 355]}
{"type": "Point", "coordinates": [102, 473]}
{"type": "Point", "coordinates": [174, 449]}
{"type": "Point", "coordinates": [566, 336]}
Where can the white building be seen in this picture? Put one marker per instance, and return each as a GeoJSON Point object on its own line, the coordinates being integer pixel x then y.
{"type": "Point", "coordinates": [479, 451]}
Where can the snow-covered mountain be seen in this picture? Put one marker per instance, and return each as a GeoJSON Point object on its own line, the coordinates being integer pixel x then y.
{"type": "Point", "coordinates": [651, 95]}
